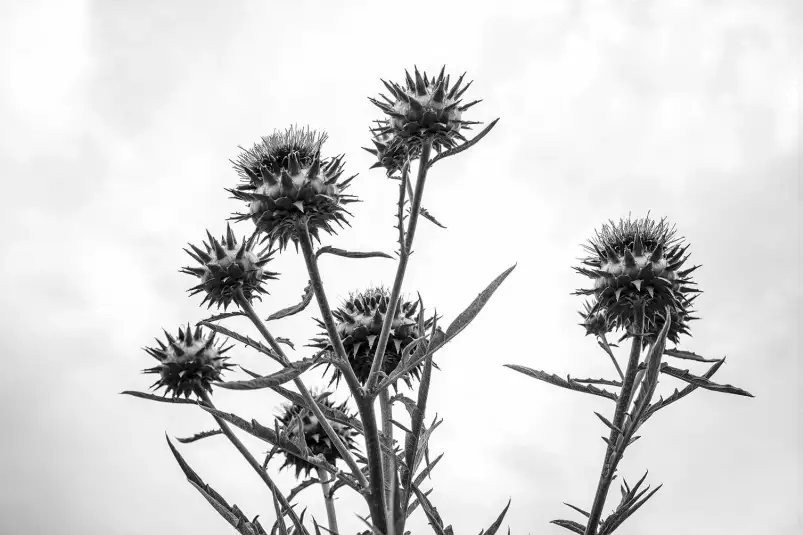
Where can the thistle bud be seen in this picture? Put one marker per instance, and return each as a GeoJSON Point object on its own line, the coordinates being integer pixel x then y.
{"type": "Point", "coordinates": [634, 264]}
{"type": "Point", "coordinates": [359, 324]}
{"type": "Point", "coordinates": [421, 108]}
{"type": "Point", "coordinates": [297, 419]}
{"type": "Point", "coordinates": [189, 363]}
{"type": "Point", "coordinates": [226, 267]}
{"type": "Point", "coordinates": [287, 184]}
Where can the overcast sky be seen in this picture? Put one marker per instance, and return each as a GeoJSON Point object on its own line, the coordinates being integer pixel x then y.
{"type": "Point", "coordinates": [119, 119]}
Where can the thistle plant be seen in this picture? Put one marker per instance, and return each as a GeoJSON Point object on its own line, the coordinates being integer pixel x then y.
{"type": "Point", "coordinates": [382, 345]}
{"type": "Point", "coordinates": [640, 290]}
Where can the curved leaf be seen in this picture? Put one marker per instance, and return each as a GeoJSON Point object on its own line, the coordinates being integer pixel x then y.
{"type": "Point", "coordinates": [564, 383]}
{"type": "Point", "coordinates": [306, 299]}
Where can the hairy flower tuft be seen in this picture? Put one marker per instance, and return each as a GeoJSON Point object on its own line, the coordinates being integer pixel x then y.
{"type": "Point", "coordinates": [420, 108]}
{"type": "Point", "coordinates": [227, 267]}
{"type": "Point", "coordinates": [359, 324]}
{"type": "Point", "coordinates": [637, 263]}
{"type": "Point", "coordinates": [295, 417]}
{"type": "Point", "coordinates": [287, 186]}
{"type": "Point", "coordinates": [189, 363]}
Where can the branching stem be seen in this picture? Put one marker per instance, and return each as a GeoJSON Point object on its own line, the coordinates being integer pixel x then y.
{"type": "Point", "coordinates": [365, 406]}
{"type": "Point", "coordinates": [331, 515]}
{"type": "Point", "coordinates": [313, 405]}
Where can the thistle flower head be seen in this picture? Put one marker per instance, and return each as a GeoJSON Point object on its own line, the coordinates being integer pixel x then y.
{"type": "Point", "coordinates": [359, 324]}
{"type": "Point", "coordinates": [420, 108]}
{"type": "Point", "coordinates": [296, 418]}
{"type": "Point", "coordinates": [287, 185]}
{"type": "Point", "coordinates": [189, 363]}
{"type": "Point", "coordinates": [636, 263]}
{"type": "Point", "coordinates": [227, 267]}
{"type": "Point", "coordinates": [595, 320]}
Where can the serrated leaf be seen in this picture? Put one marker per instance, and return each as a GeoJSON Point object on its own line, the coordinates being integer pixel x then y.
{"type": "Point", "coordinates": [432, 513]}
{"type": "Point", "coordinates": [426, 471]}
{"type": "Point", "coordinates": [493, 528]}
{"type": "Point", "coordinates": [571, 525]}
{"type": "Point", "coordinates": [564, 383]}
{"type": "Point", "coordinates": [465, 317]}
{"type": "Point", "coordinates": [222, 316]}
{"type": "Point", "coordinates": [231, 514]}
{"type": "Point", "coordinates": [617, 518]}
{"type": "Point", "coordinates": [350, 254]}
{"type": "Point", "coordinates": [306, 299]}
{"type": "Point", "coordinates": [161, 399]}
{"type": "Point", "coordinates": [199, 436]}
{"type": "Point", "coordinates": [677, 395]}
{"type": "Point", "coordinates": [687, 355]}
{"type": "Point", "coordinates": [460, 148]}
{"type": "Point", "coordinates": [274, 379]}
{"type": "Point", "coordinates": [243, 339]}
{"type": "Point", "coordinates": [702, 382]}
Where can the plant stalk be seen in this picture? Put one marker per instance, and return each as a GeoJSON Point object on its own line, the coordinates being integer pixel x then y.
{"type": "Point", "coordinates": [612, 457]}
{"type": "Point", "coordinates": [365, 404]}
{"type": "Point", "coordinates": [341, 448]}
{"type": "Point", "coordinates": [263, 474]}
{"type": "Point", "coordinates": [331, 515]}
{"type": "Point", "coordinates": [386, 410]}
{"type": "Point", "coordinates": [404, 255]}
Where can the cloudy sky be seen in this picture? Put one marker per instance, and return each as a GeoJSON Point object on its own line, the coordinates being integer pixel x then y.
{"type": "Point", "coordinates": [119, 119]}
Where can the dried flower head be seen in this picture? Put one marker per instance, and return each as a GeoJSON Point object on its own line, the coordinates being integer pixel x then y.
{"type": "Point", "coordinates": [637, 263]}
{"type": "Point", "coordinates": [359, 324]}
{"type": "Point", "coordinates": [423, 108]}
{"type": "Point", "coordinates": [227, 267]}
{"type": "Point", "coordinates": [287, 185]}
{"type": "Point", "coordinates": [188, 364]}
{"type": "Point", "coordinates": [294, 417]}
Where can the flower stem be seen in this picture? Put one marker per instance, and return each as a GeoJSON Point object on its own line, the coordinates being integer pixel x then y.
{"type": "Point", "coordinates": [404, 255]}
{"type": "Point", "coordinates": [612, 457]}
{"type": "Point", "coordinates": [224, 426]}
{"type": "Point", "coordinates": [313, 405]}
{"type": "Point", "coordinates": [386, 410]}
{"type": "Point", "coordinates": [365, 404]}
{"type": "Point", "coordinates": [331, 515]}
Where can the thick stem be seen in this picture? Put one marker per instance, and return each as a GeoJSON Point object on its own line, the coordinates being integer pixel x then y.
{"type": "Point", "coordinates": [404, 255]}
{"type": "Point", "coordinates": [313, 405]}
{"type": "Point", "coordinates": [331, 515]}
{"type": "Point", "coordinates": [263, 474]}
{"type": "Point", "coordinates": [365, 404]}
{"type": "Point", "coordinates": [386, 410]}
{"type": "Point", "coordinates": [612, 456]}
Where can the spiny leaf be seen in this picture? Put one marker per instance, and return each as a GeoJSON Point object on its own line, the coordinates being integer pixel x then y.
{"type": "Point", "coordinates": [350, 254]}
{"type": "Point", "coordinates": [199, 436]}
{"type": "Point", "coordinates": [683, 393]}
{"type": "Point", "coordinates": [153, 397]}
{"type": "Point", "coordinates": [492, 529]}
{"type": "Point", "coordinates": [306, 299]}
{"type": "Point", "coordinates": [616, 519]}
{"type": "Point", "coordinates": [460, 148]}
{"type": "Point", "coordinates": [702, 382]}
{"type": "Point", "coordinates": [584, 513]}
{"type": "Point", "coordinates": [414, 505]}
{"type": "Point", "coordinates": [242, 339]}
{"type": "Point", "coordinates": [559, 381]}
{"type": "Point", "coordinates": [688, 355]}
{"type": "Point", "coordinates": [426, 471]}
{"type": "Point", "coordinates": [571, 525]}
{"type": "Point", "coordinates": [610, 426]}
{"type": "Point", "coordinates": [222, 316]}
{"type": "Point", "coordinates": [274, 379]}
{"type": "Point", "coordinates": [232, 514]}
{"type": "Point", "coordinates": [432, 513]}
{"type": "Point", "coordinates": [465, 317]}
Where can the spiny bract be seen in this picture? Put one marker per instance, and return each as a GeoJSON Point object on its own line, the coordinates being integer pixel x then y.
{"type": "Point", "coordinates": [359, 324]}
{"type": "Point", "coordinates": [188, 364]}
{"type": "Point", "coordinates": [287, 185]}
{"type": "Point", "coordinates": [595, 320]}
{"type": "Point", "coordinates": [227, 268]}
{"type": "Point", "coordinates": [315, 437]}
{"type": "Point", "coordinates": [636, 262]}
{"type": "Point", "coordinates": [426, 108]}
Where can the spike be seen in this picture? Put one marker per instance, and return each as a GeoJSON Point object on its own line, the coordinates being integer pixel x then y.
{"type": "Point", "coordinates": [294, 166]}
{"type": "Point", "coordinates": [613, 258]}
{"type": "Point", "coordinates": [231, 241]}
{"type": "Point", "coordinates": [630, 260]}
{"type": "Point", "coordinates": [638, 245]}
{"type": "Point", "coordinates": [456, 86]}
{"type": "Point", "coordinates": [219, 250]}
{"type": "Point", "coordinates": [268, 177]}
{"type": "Point", "coordinates": [201, 254]}
{"type": "Point", "coordinates": [409, 80]}
{"type": "Point", "coordinates": [420, 87]}
{"type": "Point", "coordinates": [287, 182]}
{"type": "Point", "coordinates": [657, 253]}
